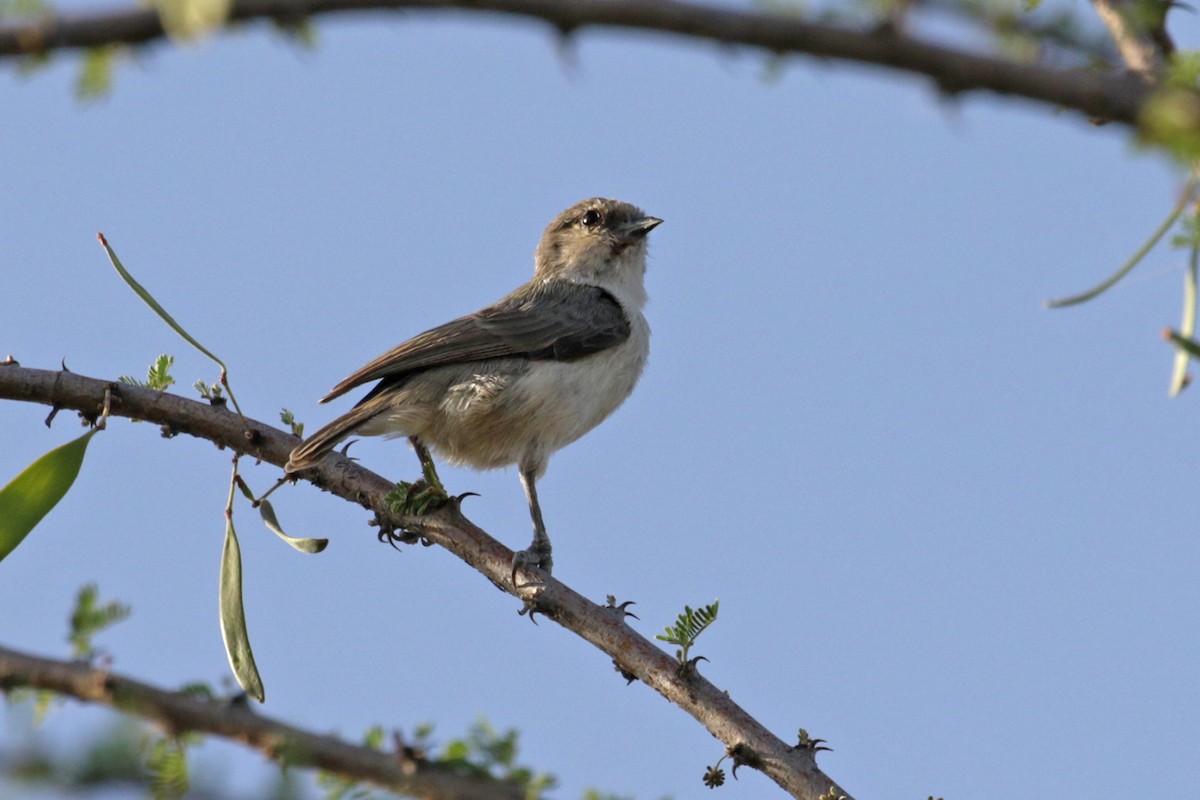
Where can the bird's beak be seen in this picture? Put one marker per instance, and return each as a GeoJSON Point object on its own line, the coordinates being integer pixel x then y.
{"type": "Point", "coordinates": [638, 228]}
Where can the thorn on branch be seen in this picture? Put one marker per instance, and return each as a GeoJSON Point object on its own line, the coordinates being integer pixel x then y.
{"type": "Point", "coordinates": [564, 46]}
{"type": "Point", "coordinates": [808, 743]}
{"type": "Point", "coordinates": [410, 756]}
{"type": "Point", "coordinates": [621, 607]}
{"type": "Point", "coordinates": [689, 669]}
{"type": "Point", "coordinates": [742, 755]}
{"type": "Point", "coordinates": [530, 601]}
{"type": "Point", "coordinates": [625, 673]}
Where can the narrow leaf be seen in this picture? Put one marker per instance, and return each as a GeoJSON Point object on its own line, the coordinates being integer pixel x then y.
{"type": "Point", "coordinates": [1135, 259]}
{"type": "Point", "coordinates": [149, 300]}
{"type": "Point", "coordinates": [233, 618]}
{"type": "Point", "coordinates": [31, 495]}
{"type": "Point", "coordinates": [1187, 327]}
{"type": "Point", "coordinates": [272, 522]}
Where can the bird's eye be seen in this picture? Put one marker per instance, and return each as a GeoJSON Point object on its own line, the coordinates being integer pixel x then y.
{"type": "Point", "coordinates": [591, 219]}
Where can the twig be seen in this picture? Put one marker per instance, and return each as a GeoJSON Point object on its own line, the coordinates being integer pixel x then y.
{"type": "Point", "coordinates": [179, 713]}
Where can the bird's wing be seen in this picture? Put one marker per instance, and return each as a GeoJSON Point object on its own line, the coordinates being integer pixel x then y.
{"type": "Point", "coordinates": [558, 321]}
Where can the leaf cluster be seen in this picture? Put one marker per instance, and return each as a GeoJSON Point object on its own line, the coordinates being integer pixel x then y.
{"type": "Point", "coordinates": [158, 375]}
{"type": "Point", "coordinates": [89, 617]}
{"type": "Point", "coordinates": [688, 627]}
{"type": "Point", "coordinates": [486, 750]}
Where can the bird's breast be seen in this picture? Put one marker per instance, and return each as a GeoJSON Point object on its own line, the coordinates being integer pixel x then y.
{"type": "Point", "coordinates": [496, 418]}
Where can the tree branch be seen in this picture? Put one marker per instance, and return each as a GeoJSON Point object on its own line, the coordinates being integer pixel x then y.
{"type": "Point", "coordinates": [793, 768]}
{"type": "Point", "coordinates": [1143, 43]}
{"type": "Point", "coordinates": [1109, 97]}
{"type": "Point", "coordinates": [179, 713]}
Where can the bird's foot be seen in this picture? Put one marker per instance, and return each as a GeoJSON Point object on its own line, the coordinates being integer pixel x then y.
{"type": "Point", "coordinates": [417, 499]}
{"type": "Point", "coordinates": [536, 557]}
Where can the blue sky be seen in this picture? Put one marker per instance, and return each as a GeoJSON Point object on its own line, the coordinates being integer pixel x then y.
{"type": "Point", "coordinates": [951, 531]}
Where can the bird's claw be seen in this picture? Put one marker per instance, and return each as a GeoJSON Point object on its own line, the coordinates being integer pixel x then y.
{"type": "Point", "coordinates": [533, 558]}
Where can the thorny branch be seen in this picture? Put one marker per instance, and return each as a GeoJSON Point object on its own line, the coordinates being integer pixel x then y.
{"type": "Point", "coordinates": [792, 767]}
{"type": "Point", "coordinates": [178, 713]}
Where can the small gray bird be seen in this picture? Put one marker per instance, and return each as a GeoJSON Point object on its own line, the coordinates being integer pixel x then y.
{"type": "Point", "coordinates": [518, 380]}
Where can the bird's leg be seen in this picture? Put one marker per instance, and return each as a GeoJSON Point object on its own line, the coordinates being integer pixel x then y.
{"type": "Point", "coordinates": [427, 467]}
{"type": "Point", "coordinates": [538, 554]}
{"type": "Point", "coordinates": [422, 496]}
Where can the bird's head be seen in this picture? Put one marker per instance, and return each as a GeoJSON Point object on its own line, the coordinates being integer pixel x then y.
{"type": "Point", "coordinates": [598, 242]}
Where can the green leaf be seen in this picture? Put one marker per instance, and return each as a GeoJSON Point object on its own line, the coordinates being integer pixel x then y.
{"type": "Point", "coordinates": [89, 618]}
{"type": "Point", "coordinates": [149, 300]}
{"type": "Point", "coordinates": [233, 618]}
{"type": "Point", "coordinates": [168, 768]}
{"type": "Point", "coordinates": [158, 375]}
{"type": "Point", "coordinates": [688, 627]}
{"type": "Point", "coordinates": [189, 20]}
{"type": "Point", "coordinates": [272, 522]}
{"type": "Point", "coordinates": [95, 73]}
{"type": "Point", "coordinates": [289, 419]}
{"type": "Point", "coordinates": [1170, 118]}
{"type": "Point", "coordinates": [31, 495]}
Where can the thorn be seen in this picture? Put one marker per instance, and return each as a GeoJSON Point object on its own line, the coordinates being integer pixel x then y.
{"type": "Point", "coordinates": [742, 755]}
{"type": "Point", "coordinates": [53, 412]}
{"type": "Point", "coordinates": [622, 607]}
{"type": "Point", "coordinates": [810, 744]}
{"type": "Point", "coordinates": [64, 364]}
{"type": "Point", "coordinates": [564, 47]}
{"type": "Point", "coordinates": [690, 668]}
{"type": "Point", "coordinates": [626, 674]}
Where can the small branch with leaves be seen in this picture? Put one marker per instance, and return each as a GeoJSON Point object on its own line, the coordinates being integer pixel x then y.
{"type": "Point", "coordinates": [683, 634]}
{"type": "Point", "coordinates": [405, 770]}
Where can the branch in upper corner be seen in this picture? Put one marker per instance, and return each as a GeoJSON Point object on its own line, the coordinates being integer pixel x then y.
{"type": "Point", "coordinates": [1098, 95]}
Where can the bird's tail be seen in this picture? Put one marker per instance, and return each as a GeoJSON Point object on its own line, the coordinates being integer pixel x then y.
{"type": "Point", "coordinates": [324, 440]}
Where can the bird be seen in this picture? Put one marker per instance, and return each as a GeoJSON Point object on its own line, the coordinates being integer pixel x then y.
{"type": "Point", "coordinates": [522, 378]}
